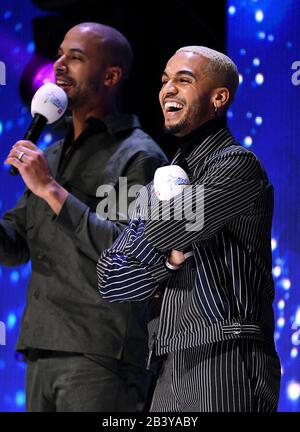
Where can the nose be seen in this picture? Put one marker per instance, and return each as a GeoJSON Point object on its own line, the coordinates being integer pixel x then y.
{"type": "Point", "coordinates": [169, 88]}
{"type": "Point", "coordinates": [60, 64]}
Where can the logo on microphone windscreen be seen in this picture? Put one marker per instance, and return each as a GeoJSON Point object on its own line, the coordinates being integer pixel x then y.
{"type": "Point", "coordinates": [50, 101]}
{"type": "Point", "coordinates": [54, 100]}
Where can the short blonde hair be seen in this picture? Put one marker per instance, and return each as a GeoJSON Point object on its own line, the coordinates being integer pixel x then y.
{"type": "Point", "coordinates": [220, 66]}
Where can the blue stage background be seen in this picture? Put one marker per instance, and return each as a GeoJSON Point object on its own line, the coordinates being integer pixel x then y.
{"type": "Point", "coordinates": [263, 38]}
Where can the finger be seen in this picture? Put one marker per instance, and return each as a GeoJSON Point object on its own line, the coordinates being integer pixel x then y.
{"type": "Point", "coordinates": [15, 154]}
{"type": "Point", "coordinates": [27, 151]}
{"type": "Point", "coordinates": [25, 158]}
{"type": "Point", "coordinates": [26, 144]}
{"type": "Point", "coordinates": [15, 162]}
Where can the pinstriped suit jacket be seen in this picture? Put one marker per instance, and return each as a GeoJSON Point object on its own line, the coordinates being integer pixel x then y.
{"type": "Point", "coordinates": [228, 292]}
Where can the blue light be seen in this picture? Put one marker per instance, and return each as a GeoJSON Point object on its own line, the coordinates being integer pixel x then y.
{"type": "Point", "coordinates": [281, 322]}
{"type": "Point", "coordinates": [277, 271]}
{"type": "Point", "coordinates": [2, 364]}
{"type": "Point", "coordinates": [18, 26]}
{"type": "Point", "coordinates": [7, 14]}
{"type": "Point", "coordinates": [30, 47]}
{"type": "Point", "coordinates": [259, 16]}
{"type": "Point", "coordinates": [270, 38]}
{"type": "Point", "coordinates": [286, 283]}
{"type": "Point", "coordinates": [256, 61]}
{"type": "Point", "coordinates": [258, 120]}
{"type": "Point", "coordinates": [48, 138]}
{"type": "Point", "coordinates": [248, 141]}
{"type": "Point", "coordinates": [273, 244]}
{"type": "Point", "coordinates": [20, 398]}
{"type": "Point", "coordinates": [21, 121]}
{"type": "Point", "coordinates": [9, 125]}
{"type": "Point", "coordinates": [261, 35]}
{"type": "Point", "coordinates": [232, 10]}
{"type": "Point", "coordinates": [294, 352]}
{"type": "Point", "coordinates": [242, 51]}
{"type": "Point", "coordinates": [293, 391]}
{"type": "Point", "coordinates": [229, 114]}
{"type": "Point", "coordinates": [259, 78]}
{"type": "Point", "coordinates": [249, 114]}
{"type": "Point", "coordinates": [14, 276]}
{"type": "Point", "coordinates": [11, 321]}
{"type": "Point", "coordinates": [1, 128]}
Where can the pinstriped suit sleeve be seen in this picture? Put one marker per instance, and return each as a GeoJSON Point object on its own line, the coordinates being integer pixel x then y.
{"type": "Point", "coordinates": [230, 187]}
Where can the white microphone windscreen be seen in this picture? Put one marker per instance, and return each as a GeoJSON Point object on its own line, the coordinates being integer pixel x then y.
{"type": "Point", "coordinates": [50, 101]}
{"type": "Point", "coordinates": [169, 181]}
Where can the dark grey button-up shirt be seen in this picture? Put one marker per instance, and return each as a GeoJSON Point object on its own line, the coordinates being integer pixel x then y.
{"type": "Point", "coordinates": [63, 308]}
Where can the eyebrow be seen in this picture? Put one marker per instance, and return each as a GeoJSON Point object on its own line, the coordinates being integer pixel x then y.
{"type": "Point", "coordinates": [180, 72]}
{"type": "Point", "coordinates": [78, 50]}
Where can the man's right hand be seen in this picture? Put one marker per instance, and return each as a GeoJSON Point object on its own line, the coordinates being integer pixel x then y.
{"type": "Point", "coordinates": [176, 258]}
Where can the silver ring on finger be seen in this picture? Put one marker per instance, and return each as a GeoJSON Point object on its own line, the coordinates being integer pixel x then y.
{"type": "Point", "coordinates": [20, 155]}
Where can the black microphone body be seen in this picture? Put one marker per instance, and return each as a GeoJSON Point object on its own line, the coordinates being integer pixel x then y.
{"type": "Point", "coordinates": [32, 134]}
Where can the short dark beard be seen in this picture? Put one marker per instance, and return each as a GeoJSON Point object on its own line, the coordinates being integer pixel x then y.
{"type": "Point", "coordinates": [174, 129]}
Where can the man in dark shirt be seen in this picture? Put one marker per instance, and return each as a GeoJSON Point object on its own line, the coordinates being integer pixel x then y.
{"type": "Point", "coordinates": [83, 353]}
{"type": "Point", "coordinates": [216, 324]}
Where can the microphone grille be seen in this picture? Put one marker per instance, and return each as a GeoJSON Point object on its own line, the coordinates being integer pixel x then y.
{"type": "Point", "coordinates": [50, 101]}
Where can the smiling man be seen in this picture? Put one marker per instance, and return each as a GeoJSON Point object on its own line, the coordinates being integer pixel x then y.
{"type": "Point", "coordinates": [216, 323]}
{"type": "Point", "coordinates": [83, 354]}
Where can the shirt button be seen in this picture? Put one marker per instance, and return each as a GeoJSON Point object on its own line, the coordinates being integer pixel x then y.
{"type": "Point", "coordinates": [40, 256]}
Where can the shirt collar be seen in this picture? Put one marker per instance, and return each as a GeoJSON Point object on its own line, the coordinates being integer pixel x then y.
{"type": "Point", "coordinates": [121, 122]}
{"type": "Point", "coordinates": [112, 123]}
{"type": "Point", "coordinates": [203, 141]}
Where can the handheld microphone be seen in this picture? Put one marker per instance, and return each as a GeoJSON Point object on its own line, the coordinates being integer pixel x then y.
{"type": "Point", "coordinates": [48, 104]}
{"type": "Point", "coordinates": [169, 181]}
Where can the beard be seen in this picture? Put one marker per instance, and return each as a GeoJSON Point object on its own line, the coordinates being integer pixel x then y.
{"type": "Point", "coordinates": [192, 119]}
{"type": "Point", "coordinates": [82, 95]}
{"type": "Point", "coordinates": [176, 128]}
{"type": "Point", "coordinates": [183, 126]}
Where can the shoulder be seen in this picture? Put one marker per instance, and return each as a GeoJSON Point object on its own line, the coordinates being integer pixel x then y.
{"type": "Point", "coordinates": [139, 141]}
{"type": "Point", "coordinates": [236, 160]}
{"type": "Point", "coordinates": [136, 143]}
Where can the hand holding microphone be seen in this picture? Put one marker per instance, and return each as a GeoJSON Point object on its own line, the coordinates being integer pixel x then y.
{"type": "Point", "coordinates": [49, 104]}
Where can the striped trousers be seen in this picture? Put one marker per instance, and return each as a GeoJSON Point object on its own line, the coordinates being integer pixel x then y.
{"type": "Point", "coordinates": [239, 375]}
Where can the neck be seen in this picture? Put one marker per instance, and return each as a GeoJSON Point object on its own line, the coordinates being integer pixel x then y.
{"type": "Point", "coordinates": [81, 114]}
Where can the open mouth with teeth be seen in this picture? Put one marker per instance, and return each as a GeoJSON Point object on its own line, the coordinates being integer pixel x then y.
{"type": "Point", "coordinates": [63, 84]}
{"type": "Point", "coordinates": [172, 108]}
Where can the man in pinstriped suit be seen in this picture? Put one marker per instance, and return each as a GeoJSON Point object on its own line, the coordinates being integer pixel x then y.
{"type": "Point", "coordinates": [216, 324]}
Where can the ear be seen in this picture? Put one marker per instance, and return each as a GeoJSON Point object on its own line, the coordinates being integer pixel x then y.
{"type": "Point", "coordinates": [113, 75]}
{"type": "Point", "coordinates": [221, 97]}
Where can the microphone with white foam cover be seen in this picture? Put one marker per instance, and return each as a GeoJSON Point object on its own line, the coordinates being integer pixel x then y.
{"type": "Point", "coordinates": [48, 104]}
{"type": "Point", "coordinates": [169, 181]}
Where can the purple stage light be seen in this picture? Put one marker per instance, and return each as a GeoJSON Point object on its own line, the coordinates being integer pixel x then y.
{"type": "Point", "coordinates": [43, 75]}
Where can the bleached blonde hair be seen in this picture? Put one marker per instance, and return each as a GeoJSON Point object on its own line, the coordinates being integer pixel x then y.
{"type": "Point", "coordinates": [220, 67]}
